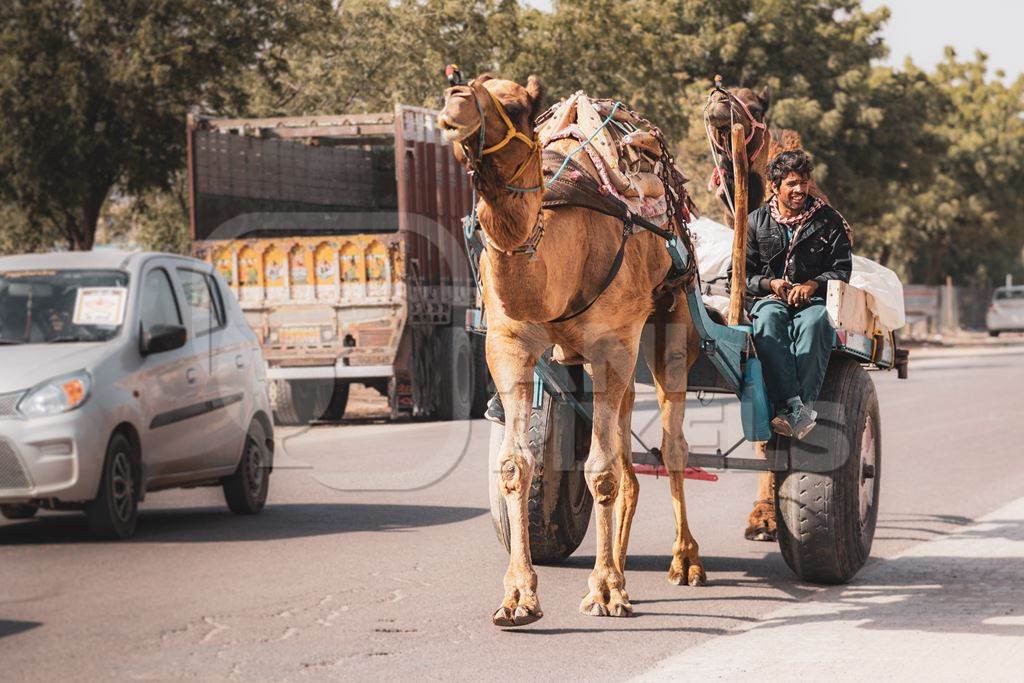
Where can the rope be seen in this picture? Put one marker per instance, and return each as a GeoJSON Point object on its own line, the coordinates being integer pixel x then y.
{"type": "Point", "coordinates": [586, 142]}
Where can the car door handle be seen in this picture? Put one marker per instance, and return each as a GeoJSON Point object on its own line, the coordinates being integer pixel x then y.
{"type": "Point", "coordinates": [239, 361]}
{"type": "Point", "coordinates": [190, 375]}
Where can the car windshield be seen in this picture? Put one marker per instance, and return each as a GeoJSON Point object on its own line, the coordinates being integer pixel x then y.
{"type": "Point", "coordinates": [61, 306]}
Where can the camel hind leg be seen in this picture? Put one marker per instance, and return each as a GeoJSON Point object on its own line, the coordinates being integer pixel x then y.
{"type": "Point", "coordinates": [670, 348]}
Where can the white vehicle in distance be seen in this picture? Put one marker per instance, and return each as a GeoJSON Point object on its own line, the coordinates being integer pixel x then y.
{"type": "Point", "coordinates": [1006, 312]}
{"type": "Point", "coordinates": [123, 373]}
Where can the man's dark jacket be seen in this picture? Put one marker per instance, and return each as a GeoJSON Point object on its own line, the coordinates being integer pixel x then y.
{"type": "Point", "coordinates": [822, 251]}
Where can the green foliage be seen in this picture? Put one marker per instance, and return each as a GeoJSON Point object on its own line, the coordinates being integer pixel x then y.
{"type": "Point", "coordinates": [93, 97]}
{"type": "Point", "coordinates": [93, 94]}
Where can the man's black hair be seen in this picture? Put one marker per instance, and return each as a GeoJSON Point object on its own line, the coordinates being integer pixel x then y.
{"type": "Point", "coordinates": [793, 161]}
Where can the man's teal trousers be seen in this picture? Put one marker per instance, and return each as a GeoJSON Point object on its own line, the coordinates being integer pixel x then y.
{"type": "Point", "coordinates": [794, 345]}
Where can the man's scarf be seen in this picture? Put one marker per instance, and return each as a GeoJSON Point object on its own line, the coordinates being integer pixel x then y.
{"type": "Point", "coordinates": [814, 204]}
{"type": "Point", "coordinates": [773, 205]}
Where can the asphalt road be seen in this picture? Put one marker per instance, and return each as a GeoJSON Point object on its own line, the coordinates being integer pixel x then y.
{"type": "Point", "coordinates": [376, 556]}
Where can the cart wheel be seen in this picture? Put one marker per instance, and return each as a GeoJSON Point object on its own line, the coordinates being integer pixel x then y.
{"type": "Point", "coordinates": [827, 502]}
{"type": "Point", "coordinates": [560, 502]}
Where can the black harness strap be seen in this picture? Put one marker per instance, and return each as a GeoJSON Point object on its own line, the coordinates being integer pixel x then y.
{"type": "Point", "coordinates": [616, 264]}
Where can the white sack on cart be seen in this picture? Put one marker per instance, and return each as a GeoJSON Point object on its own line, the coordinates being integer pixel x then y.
{"type": "Point", "coordinates": [713, 243]}
{"type": "Point", "coordinates": [885, 291]}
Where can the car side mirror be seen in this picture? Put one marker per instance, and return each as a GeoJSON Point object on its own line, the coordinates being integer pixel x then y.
{"type": "Point", "coordinates": [162, 338]}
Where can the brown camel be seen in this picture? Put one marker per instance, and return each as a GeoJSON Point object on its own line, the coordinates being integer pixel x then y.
{"type": "Point", "coordinates": [524, 290]}
{"type": "Point", "coordinates": [743, 105]}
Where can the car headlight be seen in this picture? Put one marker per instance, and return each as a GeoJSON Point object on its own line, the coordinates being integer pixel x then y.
{"type": "Point", "coordinates": [58, 395]}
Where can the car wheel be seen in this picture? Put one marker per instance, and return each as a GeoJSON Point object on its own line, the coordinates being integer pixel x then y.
{"type": "Point", "coordinates": [246, 490]}
{"type": "Point", "coordinates": [19, 510]}
{"type": "Point", "coordinates": [114, 512]}
{"type": "Point", "coordinates": [993, 333]}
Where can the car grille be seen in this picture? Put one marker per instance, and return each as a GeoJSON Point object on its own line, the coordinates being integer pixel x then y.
{"type": "Point", "coordinates": [12, 474]}
{"type": "Point", "coordinates": [9, 403]}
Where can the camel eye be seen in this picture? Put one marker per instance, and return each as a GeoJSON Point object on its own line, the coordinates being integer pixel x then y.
{"type": "Point", "coordinates": [514, 109]}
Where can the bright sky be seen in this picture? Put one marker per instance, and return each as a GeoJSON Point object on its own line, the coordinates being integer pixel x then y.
{"type": "Point", "coordinates": [922, 28]}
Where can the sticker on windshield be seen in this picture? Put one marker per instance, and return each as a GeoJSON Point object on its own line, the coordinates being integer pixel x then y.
{"type": "Point", "coordinates": [100, 306]}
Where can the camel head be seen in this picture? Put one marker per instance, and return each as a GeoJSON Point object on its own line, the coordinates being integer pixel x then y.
{"type": "Point", "coordinates": [724, 109]}
{"type": "Point", "coordinates": [475, 104]}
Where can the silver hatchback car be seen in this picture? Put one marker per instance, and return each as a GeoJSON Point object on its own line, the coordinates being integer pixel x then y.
{"type": "Point", "coordinates": [122, 373]}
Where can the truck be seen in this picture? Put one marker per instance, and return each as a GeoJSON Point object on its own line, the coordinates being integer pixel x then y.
{"type": "Point", "coordinates": [342, 238]}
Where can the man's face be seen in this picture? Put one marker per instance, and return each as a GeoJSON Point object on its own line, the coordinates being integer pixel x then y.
{"type": "Point", "coordinates": [793, 191]}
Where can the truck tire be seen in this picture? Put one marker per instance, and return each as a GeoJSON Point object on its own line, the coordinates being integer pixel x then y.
{"type": "Point", "coordinates": [827, 502]}
{"type": "Point", "coordinates": [339, 400]}
{"type": "Point", "coordinates": [300, 401]}
{"type": "Point", "coordinates": [559, 500]}
{"type": "Point", "coordinates": [481, 378]}
{"type": "Point", "coordinates": [456, 380]}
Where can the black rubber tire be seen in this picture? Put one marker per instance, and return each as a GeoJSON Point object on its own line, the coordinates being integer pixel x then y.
{"type": "Point", "coordinates": [560, 502]}
{"type": "Point", "coordinates": [19, 510]}
{"type": "Point", "coordinates": [246, 489]}
{"type": "Point", "coordinates": [301, 401]}
{"type": "Point", "coordinates": [115, 511]}
{"type": "Point", "coordinates": [339, 400]}
{"type": "Point", "coordinates": [481, 378]}
{"type": "Point", "coordinates": [993, 333]}
{"type": "Point", "coordinates": [455, 375]}
{"type": "Point", "coordinates": [823, 534]}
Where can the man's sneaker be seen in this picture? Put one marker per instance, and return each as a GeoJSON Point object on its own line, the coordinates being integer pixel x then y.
{"type": "Point", "coordinates": [795, 425]}
{"type": "Point", "coordinates": [495, 411]}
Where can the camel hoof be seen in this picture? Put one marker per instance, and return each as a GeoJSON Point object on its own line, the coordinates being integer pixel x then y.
{"type": "Point", "coordinates": [676, 577]}
{"type": "Point", "coordinates": [762, 535]}
{"type": "Point", "coordinates": [503, 617]}
{"type": "Point", "coordinates": [524, 615]}
{"type": "Point", "coordinates": [592, 608]}
{"type": "Point", "coordinates": [621, 609]}
{"type": "Point", "coordinates": [697, 576]}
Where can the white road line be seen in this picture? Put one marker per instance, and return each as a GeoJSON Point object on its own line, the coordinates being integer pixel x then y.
{"type": "Point", "coordinates": [949, 609]}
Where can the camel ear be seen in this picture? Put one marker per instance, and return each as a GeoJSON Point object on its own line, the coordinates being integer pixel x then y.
{"type": "Point", "coordinates": [765, 96]}
{"type": "Point", "coordinates": [535, 89]}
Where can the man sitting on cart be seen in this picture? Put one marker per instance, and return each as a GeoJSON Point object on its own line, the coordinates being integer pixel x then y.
{"type": "Point", "coordinates": [796, 243]}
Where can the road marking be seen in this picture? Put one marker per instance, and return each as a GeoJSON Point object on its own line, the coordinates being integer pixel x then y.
{"type": "Point", "coordinates": [951, 608]}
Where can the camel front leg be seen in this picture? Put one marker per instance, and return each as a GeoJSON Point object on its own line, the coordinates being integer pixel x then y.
{"type": "Point", "coordinates": [668, 355]}
{"type": "Point", "coordinates": [512, 364]}
{"type": "Point", "coordinates": [606, 474]}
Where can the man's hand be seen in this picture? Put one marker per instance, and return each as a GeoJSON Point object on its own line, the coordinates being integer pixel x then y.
{"type": "Point", "coordinates": [801, 294]}
{"type": "Point", "coordinates": [780, 288]}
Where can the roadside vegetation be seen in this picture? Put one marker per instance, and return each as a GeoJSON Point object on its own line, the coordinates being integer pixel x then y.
{"type": "Point", "coordinates": [927, 166]}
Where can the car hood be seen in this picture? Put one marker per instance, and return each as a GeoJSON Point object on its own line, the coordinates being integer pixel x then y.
{"type": "Point", "coordinates": [25, 365]}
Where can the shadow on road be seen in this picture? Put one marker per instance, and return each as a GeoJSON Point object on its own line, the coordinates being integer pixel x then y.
{"type": "Point", "coordinates": [10, 628]}
{"type": "Point", "coordinates": [965, 585]}
{"type": "Point", "coordinates": [211, 525]}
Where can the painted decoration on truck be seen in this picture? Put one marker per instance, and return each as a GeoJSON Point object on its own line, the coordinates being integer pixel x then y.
{"type": "Point", "coordinates": [377, 266]}
{"type": "Point", "coordinates": [325, 272]}
{"type": "Point", "coordinates": [274, 265]}
{"type": "Point", "coordinates": [224, 263]}
{"type": "Point", "coordinates": [300, 272]}
{"type": "Point", "coordinates": [249, 274]}
{"type": "Point", "coordinates": [349, 259]}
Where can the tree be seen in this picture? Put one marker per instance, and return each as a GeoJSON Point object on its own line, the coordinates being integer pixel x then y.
{"type": "Point", "coordinates": [969, 221]}
{"type": "Point", "coordinates": [94, 93]}
{"type": "Point", "coordinates": [368, 55]}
